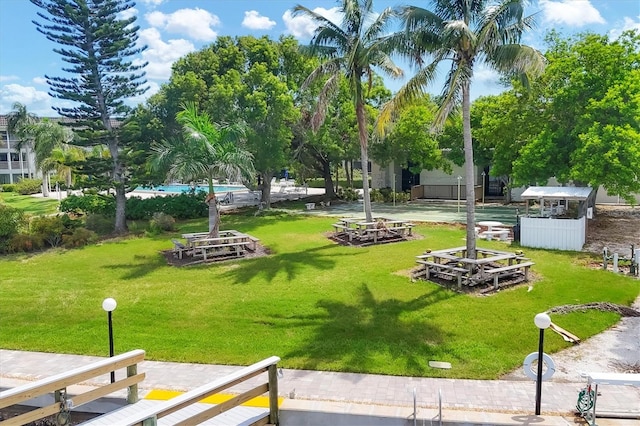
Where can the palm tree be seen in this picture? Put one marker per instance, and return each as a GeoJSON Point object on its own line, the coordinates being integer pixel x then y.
{"type": "Point", "coordinates": [463, 33]}
{"type": "Point", "coordinates": [207, 151]}
{"type": "Point", "coordinates": [48, 138]}
{"type": "Point", "coordinates": [18, 121]}
{"type": "Point", "coordinates": [351, 48]}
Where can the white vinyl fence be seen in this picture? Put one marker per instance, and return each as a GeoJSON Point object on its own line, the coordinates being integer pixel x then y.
{"type": "Point", "coordinates": [560, 234]}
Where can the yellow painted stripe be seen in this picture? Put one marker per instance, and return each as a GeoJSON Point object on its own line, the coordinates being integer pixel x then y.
{"type": "Point", "coordinates": [163, 395]}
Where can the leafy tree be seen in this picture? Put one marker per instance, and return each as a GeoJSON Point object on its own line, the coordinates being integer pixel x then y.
{"type": "Point", "coordinates": [98, 45]}
{"type": "Point", "coordinates": [503, 125]}
{"type": "Point", "coordinates": [587, 102]}
{"type": "Point", "coordinates": [243, 79]}
{"type": "Point", "coordinates": [410, 143]}
{"type": "Point", "coordinates": [336, 141]}
{"type": "Point", "coordinates": [463, 33]}
{"type": "Point", "coordinates": [351, 48]}
{"type": "Point", "coordinates": [206, 151]}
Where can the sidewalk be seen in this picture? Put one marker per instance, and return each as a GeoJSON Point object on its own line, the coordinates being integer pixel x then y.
{"type": "Point", "coordinates": [486, 396]}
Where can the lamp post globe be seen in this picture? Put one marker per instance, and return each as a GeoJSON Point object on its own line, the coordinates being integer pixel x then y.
{"type": "Point", "coordinates": [109, 304]}
{"type": "Point", "coordinates": [542, 320]}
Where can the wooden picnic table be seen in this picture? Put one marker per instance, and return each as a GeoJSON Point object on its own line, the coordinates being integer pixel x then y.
{"type": "Point", "coordinates": [228, 242]}
{"type": "Point", "coordinates": [362, 230]}
{"type": "Point", "coordinates": [470, 271]}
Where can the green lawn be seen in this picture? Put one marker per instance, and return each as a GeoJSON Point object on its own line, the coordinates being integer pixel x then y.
{"type": "Point", "coordinates": [315, 304]}
{"type": "Point", "coordinates": [31, 205]}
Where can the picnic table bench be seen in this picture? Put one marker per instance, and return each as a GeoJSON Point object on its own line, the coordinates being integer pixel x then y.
{"type": "Point", "coordinates": [215, 246]}
{"type": "Point", "coordinates": [509, 270]}
{"type": "Point", "coordinates": [199, 244]}
{"type": "Point", "coordinates": [443, 269]}
{"type": "Point", "coordinates": [362, 230]}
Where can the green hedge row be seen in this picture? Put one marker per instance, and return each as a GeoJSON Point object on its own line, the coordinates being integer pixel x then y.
{"type": "Point", "coordinates": [182, 206]}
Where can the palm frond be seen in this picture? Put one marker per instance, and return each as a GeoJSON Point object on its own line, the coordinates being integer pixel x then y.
{"type": "Point", "coordinates": [414, 89]}
{"type": "Point", "coordinates": [451, 94]}
{"type": "Point", "coordinates": [327, 68]}
{"type": "Point", "coordinates": [320, 112]}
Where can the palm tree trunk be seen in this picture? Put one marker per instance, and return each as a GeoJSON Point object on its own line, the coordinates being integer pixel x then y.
{"type": "Point", "coordinates": [469, 170]}
{"type": "Point", "coordinates": [364, 158]}
{"type": "Point", "coordinates": [214, 217]}
{"type": "Point", "coordinates": [45, 183]}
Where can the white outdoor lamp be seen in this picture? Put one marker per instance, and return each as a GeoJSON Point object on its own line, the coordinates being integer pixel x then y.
{"type": "Point", "coordinates": [542, 321]}
{"type": "Point", "coordinates": [109, 304]}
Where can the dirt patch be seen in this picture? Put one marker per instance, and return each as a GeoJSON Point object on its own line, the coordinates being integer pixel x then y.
{"type": "Point", "coordinates": [614, 227]}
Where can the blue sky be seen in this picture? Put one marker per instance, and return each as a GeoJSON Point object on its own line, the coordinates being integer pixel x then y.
{"type": "Point", "coordinates": [173, 28]}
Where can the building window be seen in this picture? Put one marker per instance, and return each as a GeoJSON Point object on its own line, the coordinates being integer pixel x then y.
{"type": "Point", "coordinates": [15, 156]}
{"type": "Point", "coordinates": [3, 156]}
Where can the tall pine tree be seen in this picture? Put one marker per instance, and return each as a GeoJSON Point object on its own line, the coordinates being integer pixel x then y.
{"type": "Point", "coordinates": [98, 46]}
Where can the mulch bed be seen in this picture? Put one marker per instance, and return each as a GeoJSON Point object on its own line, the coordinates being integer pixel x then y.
{"type": "Point", "coordinates": [343, 240]}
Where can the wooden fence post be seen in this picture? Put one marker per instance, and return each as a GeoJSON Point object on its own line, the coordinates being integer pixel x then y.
{"type": "Point", "coordinates": [273, 395]}
{"type": "Point", "coordinates": [132, 392]}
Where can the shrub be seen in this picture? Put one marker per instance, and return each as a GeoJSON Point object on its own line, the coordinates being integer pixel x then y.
{"type": "Point", "coordinates": [100, 224]}
{"type": "Point", "coordinates": [49, 228]}
{"type": "Point", "coordinates": [89, 204]}
{"type": "Point", "coordinates": [29, 186]}
{"type": "Point", "coordinates": [80, 237]}
{"type": "Point", "coordinates": [376, 196]}
{"type": "Point", "coordinates": [162, 222]}
{"type": "Point", "coordinates": [182, 206]}
{"type": "Point", "coordinates": [8, 187]}
{"type": "Point", "coordinates": [385, 195]}
{"type": "Point", "coordinates": [24, 242]}
{"type": "Point", "coordinates": [348, 194]}
{"type": "Point", "coordinates": [12, 221]}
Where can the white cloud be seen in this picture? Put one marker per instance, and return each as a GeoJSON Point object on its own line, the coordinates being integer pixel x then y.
{"type": "Point", "coordinates": [152, 2]}
{"type": "Point", "coordinates": [627, 24]}
{"type": "Point", "coordinates": [4, 78]}
{"type": "Point", "coordinates": [303, 27]}
{"type": "Point", "coordinates": [483, 74]}
{"type": "Point", "coordinates": [37, 101]}
{"type": "Point", "coordinates": [254, 21]}
{"type": "Point", "coordinates": [39, 80]}
{"type": "Point", "coordinates": [195, 23]}
{"type": "Point", "coordinates": [161, 55]}
{"type": "Point", "coordinates": [128, 13]}
{"type": "Point", "coordinates": [575, 13]}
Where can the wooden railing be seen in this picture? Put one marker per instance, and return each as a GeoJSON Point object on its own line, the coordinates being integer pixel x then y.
{"type": "Point", "coordinates": [151, 415]}
{"type": "Point", "coordinates": [57, 384]}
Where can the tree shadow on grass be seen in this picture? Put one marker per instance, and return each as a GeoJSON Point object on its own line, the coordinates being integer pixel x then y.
{"type": "Point", "coordinates": [362, 334]}
{"type": "Point", "coordinates": [292, 264]}
{"type": "Point", "coordinates": [140, 266]}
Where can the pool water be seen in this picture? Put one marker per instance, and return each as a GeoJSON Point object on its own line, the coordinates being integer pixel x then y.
{"type": "Point", "coordinates": [185, 188]}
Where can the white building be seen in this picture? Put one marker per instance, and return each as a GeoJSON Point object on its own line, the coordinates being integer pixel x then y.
{"type": "Point", "coordinates": [14, 164]}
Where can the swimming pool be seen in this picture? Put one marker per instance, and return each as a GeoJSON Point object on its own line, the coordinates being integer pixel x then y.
{"type": "Point", "coordinates": [177, 188]}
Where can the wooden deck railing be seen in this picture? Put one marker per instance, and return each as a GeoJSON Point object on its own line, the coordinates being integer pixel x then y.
{"type": "Point", "coordinates": [58, 383]}
{"type": "Point", "coordinates": [151, 415]}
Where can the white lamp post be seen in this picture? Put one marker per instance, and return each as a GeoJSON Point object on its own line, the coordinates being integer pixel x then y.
{"type": "Point", "coordinates": [459, 179]}
{"type": "Point", "coordinates": [109, 304]}
{"type": "Point", "coordinates": [483, 181]}
{"type": "Point", "coordinates": [542, 321]}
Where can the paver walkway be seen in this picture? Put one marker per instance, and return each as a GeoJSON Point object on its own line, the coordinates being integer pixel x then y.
{"type": "Point", "coordinates": [474, 395]}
